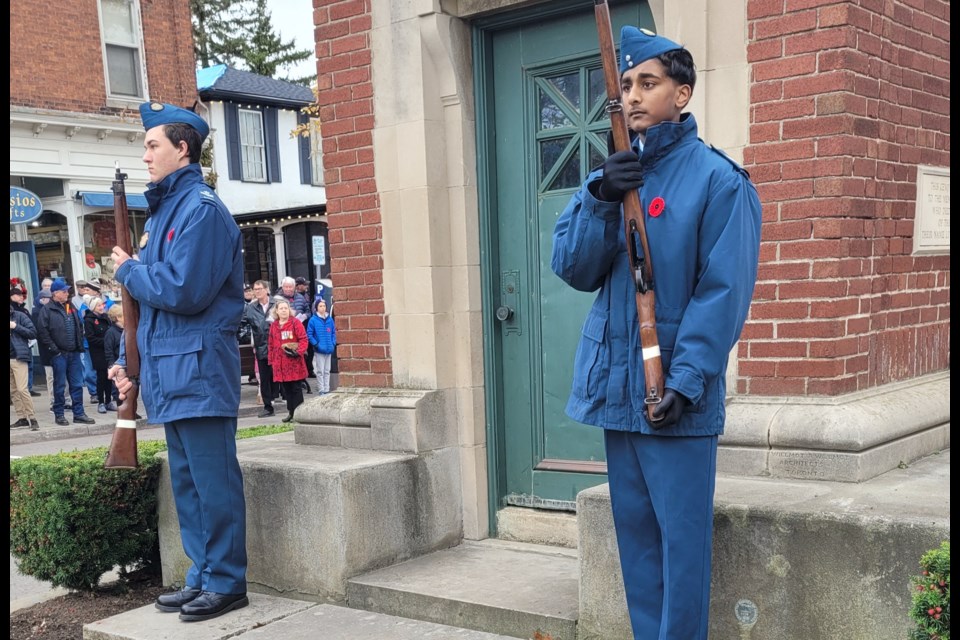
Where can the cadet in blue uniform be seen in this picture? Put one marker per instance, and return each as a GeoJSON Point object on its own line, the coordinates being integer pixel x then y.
{"type": "Point", "coordinates": [703, 223]}
{"type": "Point", "coordinates": [189, 283]}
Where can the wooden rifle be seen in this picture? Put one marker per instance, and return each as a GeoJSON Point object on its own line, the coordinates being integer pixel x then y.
{"type": "Point", "coordinates": [123, 447]}
{"type": "Point", "coordinates": [638, 251]}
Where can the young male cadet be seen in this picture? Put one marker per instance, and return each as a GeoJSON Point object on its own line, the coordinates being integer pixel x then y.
{"type": "Point", "coordinates": [702, 219]}
{"type": "Point", "coordinates": [189, 283]}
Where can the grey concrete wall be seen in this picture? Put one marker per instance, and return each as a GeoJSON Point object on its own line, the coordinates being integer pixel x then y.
{"type": "Point", "coordinates": [813, 560]}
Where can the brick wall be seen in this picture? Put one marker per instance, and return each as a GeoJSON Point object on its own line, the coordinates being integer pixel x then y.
{"type": "Point", "coordinates": [56, 59]}
{"type": "Point", "coordinates": [847, 98]}
{"type": "Point", "coordinates": [353, 206]}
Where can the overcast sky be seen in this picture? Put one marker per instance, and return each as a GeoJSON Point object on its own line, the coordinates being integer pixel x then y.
{"type": "Point", "coordinates": [294, 19]}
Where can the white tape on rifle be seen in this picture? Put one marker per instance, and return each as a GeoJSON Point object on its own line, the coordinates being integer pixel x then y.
{"type": "Point", "coordinates": [126, 424]}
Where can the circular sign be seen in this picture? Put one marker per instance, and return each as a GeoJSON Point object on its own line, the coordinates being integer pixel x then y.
{"type": "Point", "coordinates": [25, 206]}
{"type": "Point", "coordinates": [746, 612]}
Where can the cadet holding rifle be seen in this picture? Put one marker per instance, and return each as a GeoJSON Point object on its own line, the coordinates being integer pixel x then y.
{"type": "Point", "coordinates": [702, 232]}
{"type": "Point", "coordinates": [188, 281]}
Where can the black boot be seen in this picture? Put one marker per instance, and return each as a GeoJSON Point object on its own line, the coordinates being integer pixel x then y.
{"type": "Point", "coordinates": [171, 602]}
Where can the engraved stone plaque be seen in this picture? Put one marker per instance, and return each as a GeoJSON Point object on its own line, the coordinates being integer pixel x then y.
{"type": "Point", "coordinates": [931, 226]}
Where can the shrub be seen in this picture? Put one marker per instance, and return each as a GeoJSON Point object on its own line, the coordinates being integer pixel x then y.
{"type": "Point", "coordinates": [71, 520]}
{"type": "Point", "coordinates": [931, 596]}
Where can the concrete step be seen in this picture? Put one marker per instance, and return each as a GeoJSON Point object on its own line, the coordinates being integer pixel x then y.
{"type": "Point", "coordinates": [328, 622]}
{"type": "Point", "coordinates": [319, 515]}
{"type": "Point", "coordinates": [148, 623]}
{"type": "Point", "coordinates": [508, 588]}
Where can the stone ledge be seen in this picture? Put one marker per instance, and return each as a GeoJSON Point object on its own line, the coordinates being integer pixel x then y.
{"type": "Point", "coordinates": [851, 439]}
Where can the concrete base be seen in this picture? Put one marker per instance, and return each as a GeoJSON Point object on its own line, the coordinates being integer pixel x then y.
{"type": "Point", "coordinates": [811, 560]}
{"type": "Point", "coordinates": [511, 589]}
{"type": "Point", "coordinates": [849, 439]}
{"type": "Point", "coordinates": [537, 526]}
{"type": "Point", "coordinates": [319, 515]}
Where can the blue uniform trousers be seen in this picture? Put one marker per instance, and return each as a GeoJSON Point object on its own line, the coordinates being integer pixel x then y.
{"type": "Point", "coordinates": [208, 491]}
{"type": "Point", "coordinates": [661, 491]}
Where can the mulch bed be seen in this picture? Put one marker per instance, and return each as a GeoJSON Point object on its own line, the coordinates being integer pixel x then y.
{"type": "Point", "coordinates": [63, 618]}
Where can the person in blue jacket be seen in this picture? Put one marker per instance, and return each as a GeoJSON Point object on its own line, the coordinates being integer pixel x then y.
{"type": "Point", "coordinates": [322, 335]}
{"type": "Point", "coordinates": [188, 280]}
{"type": "Point", "coordinates": [702, 218]}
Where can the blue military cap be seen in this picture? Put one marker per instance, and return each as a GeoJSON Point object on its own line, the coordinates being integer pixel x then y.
{"type": "Point", "coordinates": [639, 45]}
{"type": "Point", "coordinates": [154, 114]}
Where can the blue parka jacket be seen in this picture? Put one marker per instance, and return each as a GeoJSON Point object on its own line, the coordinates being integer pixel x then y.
{"type": "Point", "coordinates": [322, 332]}
{"type": "Point", "coordinates": [189, 283]}
{"type": "Point", "coordinates": [705, 248]}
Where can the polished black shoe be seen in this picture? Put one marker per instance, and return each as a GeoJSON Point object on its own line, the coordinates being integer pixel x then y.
{"type": "Point", "coordinates": [171, 602]}
{"type": "Point", "coordinates": [210, 605]}
{"type": "Point", "coordinates": [287, 418]}
{"type": "Point", "coordinates": [83, 420]}
{"type": "Point", "coordinates": [60, 420]}
{"type": "Point", "coordinates": [266, 413]}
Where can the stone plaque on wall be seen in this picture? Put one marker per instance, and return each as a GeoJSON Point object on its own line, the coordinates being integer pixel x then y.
{"type": "Point", "coordinates": [931, 226]}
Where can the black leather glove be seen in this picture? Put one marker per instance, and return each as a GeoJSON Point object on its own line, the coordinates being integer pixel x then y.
{"type": "Point", "coordinates": [621, 173]}
{"type": "Point", "coordinates": [668, 412]}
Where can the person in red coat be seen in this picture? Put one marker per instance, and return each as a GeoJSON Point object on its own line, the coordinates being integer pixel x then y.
{"type": "Point", "coordinates": [286, 345]}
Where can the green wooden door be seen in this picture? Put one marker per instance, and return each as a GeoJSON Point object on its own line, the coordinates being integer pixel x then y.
{"type": "Point", "coordinates": [545, 128]}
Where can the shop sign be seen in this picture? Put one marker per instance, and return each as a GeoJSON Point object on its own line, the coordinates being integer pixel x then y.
{"type": "Point", "coordinates": [25, 206]}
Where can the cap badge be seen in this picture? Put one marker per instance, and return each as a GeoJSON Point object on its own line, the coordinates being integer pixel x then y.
{"type": "Point", "coordinates": [143, 239]}
{"type": "Point", "coordinates": [647, 32]}
{"type": "Point", "coordinates": [156, 106]}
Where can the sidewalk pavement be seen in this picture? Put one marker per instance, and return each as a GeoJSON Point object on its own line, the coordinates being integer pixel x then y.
{"type": "Point", "coordinates": [106, 422]}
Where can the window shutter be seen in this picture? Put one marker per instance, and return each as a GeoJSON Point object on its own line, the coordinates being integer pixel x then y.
{"type": "Point", "coordinates": [306, 167]}
{"type": "Point", "coordinates": [232, 121]}
{"type": "Point", "coordinates": [272, 142]}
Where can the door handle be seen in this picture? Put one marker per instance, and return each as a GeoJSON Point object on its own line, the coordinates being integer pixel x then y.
{"type": "Point", "coordinates": [504, 313]}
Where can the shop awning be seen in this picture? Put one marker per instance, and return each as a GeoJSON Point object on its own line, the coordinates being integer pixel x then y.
{"type": "Point", "coordinates": [105, 199]}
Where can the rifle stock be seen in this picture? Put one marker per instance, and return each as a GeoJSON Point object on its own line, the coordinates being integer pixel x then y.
{"type": "Point", "coordinates": [123, 446]}
{"type": "Point", "coordinates": [638, 251]}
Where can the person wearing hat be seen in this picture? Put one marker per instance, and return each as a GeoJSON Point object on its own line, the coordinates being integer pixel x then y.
{"type": "Point", "coordinates": [702, 217]}
{"type": "Point", "coordinates": [188, 280]}
{"type": "Point", "coordinates": [43, 299]}
{"type": "Point", "coordinates": [60, 332]}
{"type": "Point", "coordinates": [22, 332]}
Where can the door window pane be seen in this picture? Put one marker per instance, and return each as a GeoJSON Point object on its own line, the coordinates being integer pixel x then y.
{"type": "Point", "coordinates": [569, 176]}
{"type": "Point", "coordinates": [550, 151]}
{"type": "Point", "coordinates": [551, 115]}
{"type": "Point", "coordinates": [569, 87]}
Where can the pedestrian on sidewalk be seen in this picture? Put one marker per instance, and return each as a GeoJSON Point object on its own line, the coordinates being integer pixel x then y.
{"type": "Point", "coordinates": [44, 299]}
{"type": "Point", "coordinates": [60, 331]}
{"type": "Point", "coordinates": [258, 315]}
{"type": "Point", "coordinates": [322, 334]}
{"type": "Point", "coordinates": [702, 220]}
{"type": "Point", "coordinates": [111, 347]}
{"type": "Point", "coordinates": [287, 344]}
{"type": "Point", "coordinates": [95, 326]}
{"type": "Point", "coordinates": [188, 280]}
{"type": "Point", "coordinates": [22, 332]}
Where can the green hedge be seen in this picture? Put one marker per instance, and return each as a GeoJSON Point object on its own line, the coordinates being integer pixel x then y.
{"type": "Point", "coordinates": [71, 520]}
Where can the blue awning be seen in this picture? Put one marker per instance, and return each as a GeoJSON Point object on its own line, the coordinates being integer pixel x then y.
{"type": "Point", "coordinates": [104, 199]}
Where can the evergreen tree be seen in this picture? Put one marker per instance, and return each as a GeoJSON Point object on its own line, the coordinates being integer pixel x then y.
{"type": "Point", "coordinates": [264, 52]}
{"type": "Point", "coordinates": [218, 31]}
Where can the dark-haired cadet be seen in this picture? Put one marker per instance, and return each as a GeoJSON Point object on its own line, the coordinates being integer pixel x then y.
{"type": "Point", "coordinates": [189, 283]}
{"type": "Point", "coordinates": [703, 223]}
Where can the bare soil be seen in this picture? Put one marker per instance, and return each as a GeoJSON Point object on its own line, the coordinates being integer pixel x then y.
{"type": "Point", "coordinates": [63, 618]}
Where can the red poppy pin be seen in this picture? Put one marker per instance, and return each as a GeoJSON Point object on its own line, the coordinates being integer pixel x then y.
{"type": "Point", "coordinates": [656, 207]}
{"type": "Point", "coordinates": [170, 235]}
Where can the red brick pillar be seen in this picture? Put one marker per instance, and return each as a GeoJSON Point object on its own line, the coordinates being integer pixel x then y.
{"type": "Point", "coordinates": [353, 206]}
{"type": "Point", "coordinates": [847, 99]}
